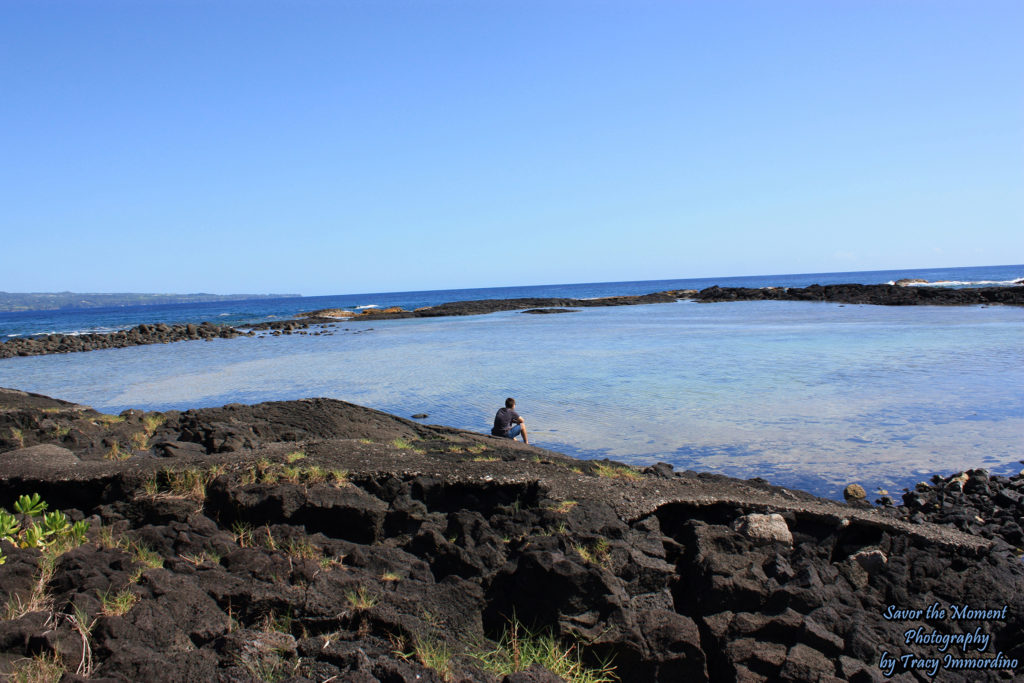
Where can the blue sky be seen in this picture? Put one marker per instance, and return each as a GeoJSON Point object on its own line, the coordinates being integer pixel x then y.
{"type": "Point", "coordinates": [333, 147]}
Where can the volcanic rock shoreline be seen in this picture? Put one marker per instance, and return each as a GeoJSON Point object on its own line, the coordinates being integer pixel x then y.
{"type": "Point", "coordinates": [161, 333]}
{"type": "Point", "coordinates": [320, 540]}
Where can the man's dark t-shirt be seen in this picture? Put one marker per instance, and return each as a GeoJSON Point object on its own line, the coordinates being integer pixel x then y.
{"type": "Point", "coordinates": [503, 421]}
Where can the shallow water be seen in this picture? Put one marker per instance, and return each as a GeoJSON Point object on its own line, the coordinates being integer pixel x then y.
{"type": "Point", "coordinates": [806, 395]}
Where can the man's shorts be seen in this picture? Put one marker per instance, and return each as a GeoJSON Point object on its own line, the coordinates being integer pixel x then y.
{"type": "Point", "coordinates": [515, 431]}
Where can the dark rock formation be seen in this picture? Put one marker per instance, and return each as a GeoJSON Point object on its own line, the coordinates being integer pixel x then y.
{"type": "Point", "coordinates": [140, 334]}
{"type": "Point", "coordinates": [883, 295]}
{"type": "Point", "coordinates": [542, 311]}
{"type": "Point", "coordinates": [317, 539]}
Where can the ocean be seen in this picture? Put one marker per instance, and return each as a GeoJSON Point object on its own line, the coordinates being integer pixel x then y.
{"type": "Point", "coordinates": [806, 395]}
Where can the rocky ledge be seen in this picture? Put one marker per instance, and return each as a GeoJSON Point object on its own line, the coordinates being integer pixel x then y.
{"type": "Point", "coordinates": [319, 540]}
{"type": "Point", "coordinates": [880, 295]}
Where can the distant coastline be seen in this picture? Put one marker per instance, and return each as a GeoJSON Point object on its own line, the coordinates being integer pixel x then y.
{"type": "Point", "coordinates": [54, 301]}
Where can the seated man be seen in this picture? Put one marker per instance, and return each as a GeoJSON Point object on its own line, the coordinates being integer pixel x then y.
{"type": "Point", "coordinates": [507, 422]}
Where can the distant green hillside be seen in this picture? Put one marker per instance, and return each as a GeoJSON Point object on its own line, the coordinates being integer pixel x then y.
{"type": "Point", "coordinates": [49, 301]}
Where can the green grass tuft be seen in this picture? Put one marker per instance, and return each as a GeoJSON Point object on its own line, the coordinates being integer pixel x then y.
{"type": "Point", "coordinates": [519, 648]}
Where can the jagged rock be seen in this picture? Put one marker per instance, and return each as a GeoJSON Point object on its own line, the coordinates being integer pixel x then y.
{"type": "Point", "coordinates": [764, 528]}
{"type": "Point", "coordinates": [854, 492]}
{"type": "Point", "coordinates": [871, 560]}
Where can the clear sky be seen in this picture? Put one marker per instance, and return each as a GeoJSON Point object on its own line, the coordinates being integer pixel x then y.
{"type": "Point", "coordinates": [386, 145]}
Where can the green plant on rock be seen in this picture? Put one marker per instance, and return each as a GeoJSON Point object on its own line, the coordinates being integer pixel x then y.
{"type": "Point", "coordinates": [79, 532]}
{"type": "Point", "coordinates": [33, 505]}
{"type": "Point", "coordinates": [55, 522]}
{"type": "Point", "coordinates": [9, 527]}
{"type": "Point", "coordinates": [31, 537]}
{"type": "Point", "coordinates": [18, 436]}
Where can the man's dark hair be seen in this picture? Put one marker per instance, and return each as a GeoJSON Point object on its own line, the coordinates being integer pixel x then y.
{"type": "Point", "coordinates": [510, 402]}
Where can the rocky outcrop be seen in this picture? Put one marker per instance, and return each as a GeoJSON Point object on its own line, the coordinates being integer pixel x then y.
{"type": "Point", "coordinates": [160, 333]}
{"type": "Point", "coordinates": [880, 295]}
{"type": "Point", "coordinates": [317, 539]}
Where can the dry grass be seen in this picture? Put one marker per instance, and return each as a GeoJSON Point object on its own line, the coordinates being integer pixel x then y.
{"type": "Point", "coordinates": [615, 471]}
{"type": "Point", "coordinates": [435, 655]}
{"type": "Point", "coordinates": [151, 422]}
{"type": "Point", "coordinates": [117, 604]}
{"type": "Point", "coordinates": [302, 549]}
{"type": "Point", "coordinates": [38, 669]}
{"type": "Point", "coordinates": [191, 482]}
{"type": "Point", "coordinates": [361, 599]}
{"type": "Point", "coordinates": [519, 648]}
{"type": "Point", "coordinates": [115, 452]}
{"type": "Point", "coordinates": [140, 441]}
{"type": "Point", "coordinates": [598, 553]}
{"type": "Point", "coordinates": [245, 535]}
{"type": "Point", "coordinates": [38, 599]}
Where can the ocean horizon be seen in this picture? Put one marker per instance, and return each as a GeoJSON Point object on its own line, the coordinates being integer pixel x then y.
{"type": "Point", "coordinates": [805, 395]}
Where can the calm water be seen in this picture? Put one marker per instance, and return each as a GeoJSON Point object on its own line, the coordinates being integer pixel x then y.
{"type": "Point", "coordinates": [804, 394]}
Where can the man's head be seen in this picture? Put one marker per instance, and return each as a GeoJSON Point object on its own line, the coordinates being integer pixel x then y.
{"type": "Point", "coordinates": [510, 403]}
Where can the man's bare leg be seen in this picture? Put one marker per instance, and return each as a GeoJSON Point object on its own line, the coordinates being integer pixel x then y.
{"type": "Point", "coordinates": [522, 426]}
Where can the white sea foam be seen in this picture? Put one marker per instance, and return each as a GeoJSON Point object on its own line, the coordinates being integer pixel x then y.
{"type": "Point", "coordinates": [358, 308]}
